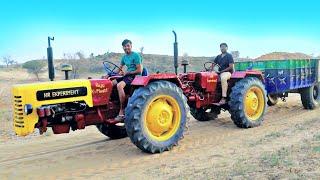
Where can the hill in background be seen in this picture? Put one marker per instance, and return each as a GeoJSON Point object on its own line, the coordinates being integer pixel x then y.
{"type": "Point", "coordinates": [84, 67]}
{"type": "Point", "coordinates": [153, 62]}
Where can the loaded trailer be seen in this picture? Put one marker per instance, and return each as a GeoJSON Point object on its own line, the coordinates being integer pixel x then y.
{"type": "Point", "coordinates": [288, 76]}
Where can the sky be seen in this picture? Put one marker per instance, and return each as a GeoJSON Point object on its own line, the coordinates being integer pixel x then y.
{"type": "Point", "coordinates": [96, 26]}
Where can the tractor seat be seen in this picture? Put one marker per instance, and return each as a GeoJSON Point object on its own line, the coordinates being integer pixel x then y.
{"type": "Point", "coordinates": [128, 89]}
{"type": "Point", "coordinates": [144, 72]}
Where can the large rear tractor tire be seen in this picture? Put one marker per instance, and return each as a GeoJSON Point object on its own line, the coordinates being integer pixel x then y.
{"type": "Point", "coordinates": [201, 114]}
{"type": "Point", "coordinates": [310, 97]}
{"type": "Point", "coordinates": [112, 131]}
{"type": "Point", "coordinates": [272, 100]}
{"type": "Point", "coordinates": [248, 102]}
{"type": "Point", "coordinates": [156, 116]}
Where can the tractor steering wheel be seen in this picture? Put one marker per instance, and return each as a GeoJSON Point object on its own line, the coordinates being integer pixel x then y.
{"type": "Point", "coordinates": [111, 68]}
{"type": "Point", "coordinates": [211, 66]}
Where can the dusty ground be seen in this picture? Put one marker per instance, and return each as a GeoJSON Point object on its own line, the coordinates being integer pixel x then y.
{"type": "Point", "coordinates": [286, 146]}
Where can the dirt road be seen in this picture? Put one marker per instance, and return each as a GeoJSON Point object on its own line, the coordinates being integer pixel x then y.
{"type": "Point", "coordinates": [286, 145]}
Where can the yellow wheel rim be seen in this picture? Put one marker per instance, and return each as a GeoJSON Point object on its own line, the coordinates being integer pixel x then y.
{"type": "Point", "coordinates": [162, 117]}
{"type": "Point", "coordinates": [254, 103]}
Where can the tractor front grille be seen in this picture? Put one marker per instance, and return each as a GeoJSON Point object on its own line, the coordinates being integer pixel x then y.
{"type": "Point", "coordinates": [18, 112]}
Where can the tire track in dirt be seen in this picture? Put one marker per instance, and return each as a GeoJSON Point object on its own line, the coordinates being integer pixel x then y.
{"type": "Point", "coordinates": [207, 127]}
{"type": "Point", "coordinates": [44, 153]}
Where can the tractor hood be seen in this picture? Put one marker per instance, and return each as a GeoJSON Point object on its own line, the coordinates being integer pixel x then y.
{"type": "Point", "coordinates": [28, 97]}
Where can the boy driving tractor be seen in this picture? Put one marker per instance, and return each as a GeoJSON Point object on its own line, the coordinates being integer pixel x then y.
{"type": "Point", "coordinates": [132, 61]}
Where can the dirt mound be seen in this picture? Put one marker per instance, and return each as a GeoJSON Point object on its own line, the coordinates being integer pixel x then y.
{"type": "Point", "coordinates": [283, 55]}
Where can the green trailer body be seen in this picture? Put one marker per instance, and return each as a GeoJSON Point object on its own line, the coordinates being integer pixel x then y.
{"type": "Point", "coordinates": [283, 76]}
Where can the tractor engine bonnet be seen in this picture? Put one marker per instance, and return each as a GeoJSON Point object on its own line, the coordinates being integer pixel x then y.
{"type": "Point", "coordinates": [93, 92]}
{"type": "Point", "coordinates": [207, 80]}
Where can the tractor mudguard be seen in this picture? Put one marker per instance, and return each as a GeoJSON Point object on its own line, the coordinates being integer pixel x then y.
{"type": "Point", "coordinates": [251, 73]}
{"type": "Point", "coordinates": [145, 80]}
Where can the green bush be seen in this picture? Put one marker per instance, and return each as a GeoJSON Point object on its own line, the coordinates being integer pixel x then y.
{"type": "Point", "coordinates": [35, 67]}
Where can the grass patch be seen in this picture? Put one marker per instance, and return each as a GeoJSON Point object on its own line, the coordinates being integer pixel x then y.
{"type": "Point", "coordinates": [274, 135]}
{"type": "Point", "coordinates": [300, 127]}
{"type": "Point", "coordinates": [286, 132]}
{"type": "Point", "coordinates": [317, 137]}
{"type": "Point", "coordinates": [267, 138]}
{"type": "Point", "coordinates": [242, 167]}
{"type": "Point", "coordinates": [316, 149]}
{"type": "Point", "coordinates": [276, 159]}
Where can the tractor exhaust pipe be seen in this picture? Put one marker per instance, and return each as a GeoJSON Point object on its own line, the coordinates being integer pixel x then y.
{"type": "Point", "coordinates": [50, 59]}
{"type": "Point", "coordinates": [175, 53]}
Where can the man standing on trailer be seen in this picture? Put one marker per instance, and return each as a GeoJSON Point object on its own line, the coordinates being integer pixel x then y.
{"type": "Point", "coordinates": [226, 63]}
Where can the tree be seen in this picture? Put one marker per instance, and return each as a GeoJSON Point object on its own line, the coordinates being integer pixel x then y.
{"type": "Point", "coordinates": [141, 50]}
{"type": "Point", "coordinates": [235, 54]}
{"type": "Point", "coordinates": [91, 56]}
{"type": "Point", "coordinates": [107, 55]}
{"type": "Point", "coordinates": [35, 67]}
{"type": "Point", "coordinates": [80, 55]}
{"type": "Point", "coordinates": [8, 60]}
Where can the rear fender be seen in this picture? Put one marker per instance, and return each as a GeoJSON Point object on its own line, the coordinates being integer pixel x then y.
{"type": "Point", "coordinates": [145, 80]}
{"type": "Point", "coordinates": [238, 75]}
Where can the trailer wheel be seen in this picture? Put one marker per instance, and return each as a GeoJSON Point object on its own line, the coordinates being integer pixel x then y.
{"type": "Point", "coordinates": [156, 115]}
{"type": "Point", "coordinates": [200, 114]}
{"type": "Point", "coordinates": [310, 97]}
{"type": "Point", "coordinates": [272, 100]}
{"type": "Point", "coordinates": [112, 131]}
{"type": "Point", "coordinates": [248, 102]}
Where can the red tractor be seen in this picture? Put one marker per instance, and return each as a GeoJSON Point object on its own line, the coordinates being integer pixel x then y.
{"type": "Point", "coordinates": [157, 104]}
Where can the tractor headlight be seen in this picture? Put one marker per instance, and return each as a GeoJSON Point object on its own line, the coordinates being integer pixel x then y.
{"type": "Point", "coordinates": [27, 109]}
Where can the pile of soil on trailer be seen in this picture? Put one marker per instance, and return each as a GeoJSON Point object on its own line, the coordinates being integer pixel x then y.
{"type": "Point", "coordinates": [283, 55]}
